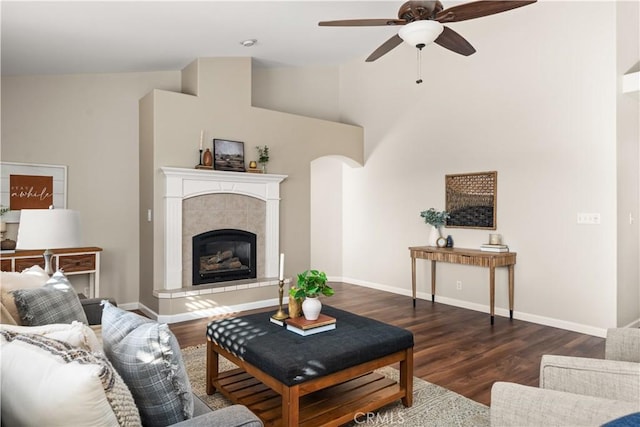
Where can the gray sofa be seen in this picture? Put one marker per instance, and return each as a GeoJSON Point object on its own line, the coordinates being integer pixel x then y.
{"type": "Point", "coordinates": [65, 359]}
{"type": "Point", "coordinates": [574, 390]}
{"type": "Point", "coordinates": [231, 416]}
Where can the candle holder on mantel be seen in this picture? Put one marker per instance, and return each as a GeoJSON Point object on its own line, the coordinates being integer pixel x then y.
{"type": "Point", "coordinates": [206, 160]}
{"type": "Point", "coordinates": [280, 314]}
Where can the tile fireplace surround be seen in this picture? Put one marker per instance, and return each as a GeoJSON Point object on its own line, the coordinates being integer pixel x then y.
{"type": "Point", "coordinates": [182, 184]}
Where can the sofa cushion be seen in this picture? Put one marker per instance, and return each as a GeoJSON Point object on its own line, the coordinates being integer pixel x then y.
{"type": "Point", "coordinates": [55, 302]}
{"type": "Point", "coordinates": [52, 383]}
{"type": "Point", "coordinates": [76, 334]}
{"type": "Point", "coordinates": [31, 278]}
{"type": "Point", "coordinates": [147, 356]}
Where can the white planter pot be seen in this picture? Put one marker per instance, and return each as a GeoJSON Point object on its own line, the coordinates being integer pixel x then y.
{"type": "Point", "coordinates": [434, 235]}
{"type": "Point", "coordinates": [311, 308]}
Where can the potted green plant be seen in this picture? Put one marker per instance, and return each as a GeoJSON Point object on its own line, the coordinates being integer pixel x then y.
{"type": "Point", "coordinates": [436, 219]}
{"type": "Point", "coordinates": [263, 156]}
{"type": "Point", "coordinates": [310, 285]}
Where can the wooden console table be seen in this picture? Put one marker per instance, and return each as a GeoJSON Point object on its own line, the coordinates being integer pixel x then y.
{"type": "Point", "coordinates": [466, 257]}
{"type": "Point", "coordinates": [71, 260]}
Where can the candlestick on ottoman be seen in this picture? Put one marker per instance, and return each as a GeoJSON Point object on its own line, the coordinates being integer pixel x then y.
{"type": "Point", "coordinates": [280, 314]}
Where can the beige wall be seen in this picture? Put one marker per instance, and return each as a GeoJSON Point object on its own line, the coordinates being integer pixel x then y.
{"type": "Point", "coordinates": [628, 138]}
{"type": "Point", "coordinates": [88, 122]}
{"type": "Point", "coordinates": [222, 108]}
{"type": "Point", "coordinates": [537, 106]}
{"type": "Point", "coordinates": [546, 116]}
{"type": "Point", "coordinates": [308, 91]}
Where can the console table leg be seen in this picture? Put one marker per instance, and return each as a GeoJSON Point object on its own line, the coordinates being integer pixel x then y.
{"type": "Point", "coordinates": [511, 287]}
{"type": "Point", "coordinates": [413, 279]}
{"type": "Point", "coordinates": [433, 281]}
{"type": "Point", "coordinates": [492, 291]}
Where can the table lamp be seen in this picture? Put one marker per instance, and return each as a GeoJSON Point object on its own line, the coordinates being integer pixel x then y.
{"type": "Point", "coordinates": [48, 229]}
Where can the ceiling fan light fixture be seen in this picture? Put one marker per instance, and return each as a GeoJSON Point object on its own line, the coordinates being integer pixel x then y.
{"type": "Point", "coordinates": [420, 33]}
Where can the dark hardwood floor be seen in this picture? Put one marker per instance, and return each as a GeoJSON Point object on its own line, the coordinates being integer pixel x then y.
{"type": "Point", "coordinates": [455, 348]}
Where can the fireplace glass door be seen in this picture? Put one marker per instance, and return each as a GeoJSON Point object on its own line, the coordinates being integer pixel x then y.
{"type": "Point", "coordinates": [224, 255]}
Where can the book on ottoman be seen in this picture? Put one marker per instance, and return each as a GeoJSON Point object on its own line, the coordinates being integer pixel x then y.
{"type": "Point", "coordinates": [302, 326]}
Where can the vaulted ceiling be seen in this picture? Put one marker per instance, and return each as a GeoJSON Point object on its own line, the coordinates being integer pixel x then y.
{"type": "Point", "coordinates": [53, 37]}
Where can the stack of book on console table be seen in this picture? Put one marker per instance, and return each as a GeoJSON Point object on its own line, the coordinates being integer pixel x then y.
{"type": "Point", "coordinates": [302, 326]}
{"type": "Point", "coordinates": [494, 248]}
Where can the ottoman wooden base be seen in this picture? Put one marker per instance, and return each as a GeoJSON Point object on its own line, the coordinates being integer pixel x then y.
{"type": "Point", "coordinates": [332, 400]}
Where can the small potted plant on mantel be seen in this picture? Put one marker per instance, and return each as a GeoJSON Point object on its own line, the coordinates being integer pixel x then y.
{"type": "Point", "coordinates": [263, 156]}
{"type": "Point", "coordinates": [311, 284]}
{"type": "Point", "coordinates": [436, 219]}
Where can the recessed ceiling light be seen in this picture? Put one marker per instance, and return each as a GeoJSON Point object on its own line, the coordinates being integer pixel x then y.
{"type": "Point", "coordinates": [248, 42]}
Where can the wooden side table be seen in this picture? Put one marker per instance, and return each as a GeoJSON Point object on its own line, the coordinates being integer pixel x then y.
{"type": "Point", "coordinates": [465, 257]}
{"type": "Point", "coordinates": [71, 260]}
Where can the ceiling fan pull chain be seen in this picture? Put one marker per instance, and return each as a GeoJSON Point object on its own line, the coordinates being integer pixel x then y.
{"type": "Point", "coordinates": [419, 66]}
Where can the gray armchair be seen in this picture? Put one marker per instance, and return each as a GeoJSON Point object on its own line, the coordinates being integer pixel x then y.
{"type": "Point", "coordinates": [575, 390]}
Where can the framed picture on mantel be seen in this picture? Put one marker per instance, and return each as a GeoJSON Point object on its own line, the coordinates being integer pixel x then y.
{"type": "Point", "coordinates": [471, 200]}
{"type": "Point", "coordinates": [228, 155]}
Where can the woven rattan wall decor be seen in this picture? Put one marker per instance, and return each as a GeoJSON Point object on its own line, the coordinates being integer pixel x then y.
{"type": "Point", "coordinates": [471, 200]}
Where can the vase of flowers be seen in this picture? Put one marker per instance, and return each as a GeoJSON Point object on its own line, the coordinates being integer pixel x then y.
{"type": "Point", "coordinates": [263, 156]}
{"type": "Point", "coordinates": [436, 219]}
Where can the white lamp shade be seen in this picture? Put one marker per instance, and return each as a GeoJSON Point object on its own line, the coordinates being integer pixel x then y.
{"type": "Point", "coordinates": [48, 229]}
{"type": "Point", "coordinates": [420, 32]}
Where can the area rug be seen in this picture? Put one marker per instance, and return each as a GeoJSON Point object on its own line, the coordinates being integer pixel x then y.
{"type": "Point", "coordinates": [432, 405]}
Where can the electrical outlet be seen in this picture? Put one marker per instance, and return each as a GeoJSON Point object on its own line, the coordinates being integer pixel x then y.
{"type": "Point", "coordinates": [459, 285]}
{"type": "Point", "coordinates": [588, 218]}
{"type": "Point", "coordinates": [86, 292]}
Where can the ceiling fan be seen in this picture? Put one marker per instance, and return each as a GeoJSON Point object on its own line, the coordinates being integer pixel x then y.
{"type": "Point", "coordinates": [422, 21]}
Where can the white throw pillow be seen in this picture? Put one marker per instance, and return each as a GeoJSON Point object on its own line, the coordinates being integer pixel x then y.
{"type": "Point", "coordinates": [31, 278]}
{"type": "Point", "coordinates": [46, 382]}
{"type": "Point", "coordinates": [77, 334]}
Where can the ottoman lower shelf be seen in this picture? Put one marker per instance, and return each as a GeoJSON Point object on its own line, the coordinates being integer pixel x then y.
{"type": "Point", "coordinates": [332, 406]}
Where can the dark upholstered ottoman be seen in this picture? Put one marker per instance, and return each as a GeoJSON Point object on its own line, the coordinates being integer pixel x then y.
{"type": "Point", "coordinates": [320, 379]}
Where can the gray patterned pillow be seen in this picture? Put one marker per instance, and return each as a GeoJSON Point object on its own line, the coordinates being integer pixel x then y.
{"type": "Point", "coordinates": [55, 302]}
{"type": "Point", "coordinates": [147, 356]}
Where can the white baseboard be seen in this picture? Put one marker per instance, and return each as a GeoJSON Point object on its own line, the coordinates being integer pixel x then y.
{"type": "Point", "coordinates": [504, 312]}
{"type": "Point", "coordinates": [528, 317]}
{"type": "Point", "coordinates": [129, 306]}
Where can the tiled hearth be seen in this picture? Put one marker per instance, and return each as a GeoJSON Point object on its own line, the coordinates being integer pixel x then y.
{"type": "Point", "coordinates": [201, 200]}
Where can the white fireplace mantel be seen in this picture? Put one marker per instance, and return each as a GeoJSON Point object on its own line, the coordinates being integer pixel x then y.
{"type": "Point", "coordinates": [181, 183]}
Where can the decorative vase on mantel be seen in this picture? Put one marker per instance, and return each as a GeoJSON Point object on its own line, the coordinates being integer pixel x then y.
{"type": "Point", "coordinates": [434, 235]}
{"type": "Point", "coordinates": [311, 307]}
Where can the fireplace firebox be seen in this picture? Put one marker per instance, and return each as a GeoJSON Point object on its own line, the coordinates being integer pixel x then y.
{"type": "Point", "coordinates": [224, 255]}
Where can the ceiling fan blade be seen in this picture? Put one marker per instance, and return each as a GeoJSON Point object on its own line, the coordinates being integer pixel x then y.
{"type": "Point", "coordinates": [453, 41]}
{"type": "Point", "coordinates": [478, 9]}
{"type": "Point", "coordinates": [362, 22]}
{"type": "Point", "coordinates": [384, 48]}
